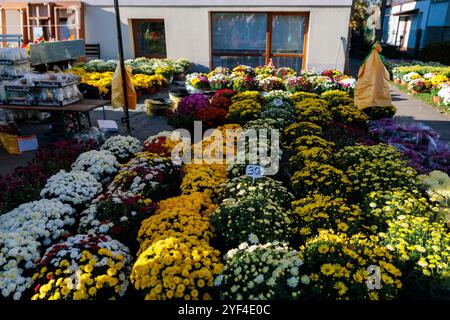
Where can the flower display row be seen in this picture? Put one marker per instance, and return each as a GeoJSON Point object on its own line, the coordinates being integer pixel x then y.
{"type": "Point", "coordinates": [268, 78]}
{"type": "Point", "coordinates": [102, 81]}
{"type": "Point", "coordinates": [424, 78]}
{"type": "Point", "coordinates": [141, 65]}
{"type": "Point", "coordinates": [344, 216]}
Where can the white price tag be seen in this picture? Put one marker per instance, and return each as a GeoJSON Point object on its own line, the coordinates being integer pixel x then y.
{"type": "Point", "coordinates": [277, 102]}
{"type": "Point", "coordinates": [254, 171]}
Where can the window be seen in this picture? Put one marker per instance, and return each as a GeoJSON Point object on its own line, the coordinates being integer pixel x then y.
{"type": "Point", "coordinates": [149, 38]}
{"type": "Point", "coordinates": [254, 38]}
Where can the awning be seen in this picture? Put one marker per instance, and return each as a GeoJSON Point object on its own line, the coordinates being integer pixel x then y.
{"type": "Point", "coordinates": [406, 13]}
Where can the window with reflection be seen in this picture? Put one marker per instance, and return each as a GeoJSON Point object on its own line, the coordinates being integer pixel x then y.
{"type": "Point", "coordinates": [255, 38]}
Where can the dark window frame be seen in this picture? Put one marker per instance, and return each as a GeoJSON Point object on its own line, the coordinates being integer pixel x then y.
{"type": "Point", "coordinates": [268, 53]}
{"type": "Point", "coordinates": [135, 39]}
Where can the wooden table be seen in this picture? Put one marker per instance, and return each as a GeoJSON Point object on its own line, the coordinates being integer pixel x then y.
{"type": "Point", "coordinates": [82, 107]}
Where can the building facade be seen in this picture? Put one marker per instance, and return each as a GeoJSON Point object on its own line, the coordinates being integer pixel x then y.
{"type": "Point", "coordinates": [411, 25]}
{"type": "Point", "coordinates": [210, 33]}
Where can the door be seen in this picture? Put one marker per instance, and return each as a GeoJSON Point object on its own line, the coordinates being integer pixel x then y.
{"type": "Point", "coordinates": [404, 29]}
{"type": "Point", "coordinates": [406, 33]}
{"type": "Point", "coordinates": [149, 38]}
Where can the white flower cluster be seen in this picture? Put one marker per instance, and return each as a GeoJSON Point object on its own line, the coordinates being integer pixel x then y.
{"type": "Point", "coordinates": [438, 184]}
{"type": "Point", "coordinates": [269, 188]}
{"type": "Point", "coordinates": [123, 147]}
{"type": "Point", "coordinates": [18, 254]}
{"type": "Point", "coordinates": [444, 94]}
{"type": "Point", "coordinates": [45, 220]}
{"type": "Point", "coordinates": [348, 82]}
{"type": "Point", "coordinates": [146, 172]}
{"type": "Point", "coordinates": [410, 76]}
{"type": "Point", "coordinates": [277, 97]}
{"type": "Point", "coordinates": [101, 164]}
{"type": "Point", "coordinates": [255, 215]}
{"type": "Point", "coordinates": [174, 136]}
{"type": "Point", "coordinates": [75, 187]}
{"type": "Point", "coordinates": [90, 223]}
{"type": "Point", "coordinates": [261, 272]}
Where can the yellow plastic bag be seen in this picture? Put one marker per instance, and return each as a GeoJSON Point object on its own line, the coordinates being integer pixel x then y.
{"type": "Point", "coordinates": [9, 142]}
{"type": "Point", "coordinates": [372, 88]}
{"type": "Point", "coordinates": [117, 96]}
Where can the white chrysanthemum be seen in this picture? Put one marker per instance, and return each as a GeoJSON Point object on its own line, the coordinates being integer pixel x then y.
{"type": "Point", "coordinates": [259, 267]}
{"type": "Point", "coordinates": [18, 253]}
{"type": "Point", "coordinates": [45, 220]}
{"type": "Point", "coordinates": [292, 282]}
{"type": "Point", "coordinates": [253, 238]}
{"type": "Point", "coordinates": [75, 187]}
{"type": "Point", "coordinates": [305, 279]}
{"type": "Point", "coordinates": [101, 164]}
{"type": "Point", "coordinates": [123, 147]}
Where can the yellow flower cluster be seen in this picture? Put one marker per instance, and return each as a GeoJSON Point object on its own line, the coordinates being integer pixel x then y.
{"type": "Point", "coordinates": [322, 178]}
{"type": "Point", "coordinates": [341, 268]}
{"type": "Point", "coordinates": [438, 79]}
{"type": "Point", "coordinates": [170, 223]}
{"type": "Point", "coordinates": [177, 267]}
{"type": "Point", "coordinates": [438, 184]}
{"type": "Point", "coordinates": [205, 178]}
{"type": "Point", "coordinates": [143, 81]}
{"type": "Point", "coordinates": [208, 146]}
{"type": "Point", "coordinates": [422, 247]}
{"type": "Point", "coordinates": [243, 111]}
{"type": "Point", "coordinates": [196, 202]}
{"type": "Point", "coordinates": [298, 129]}
{"type": "Point", "coordinates": [101, 80]}
{"type": "Point", "coordinates": [85, 275]}
{"type": "Point", "coordinates": [186, 214]}
{"type": "Point", "coordinates": [313, 110]}
{"type": "Point", "coordinates": [318, 212]}
{"type": "Point", "coordinates": [337, 98]}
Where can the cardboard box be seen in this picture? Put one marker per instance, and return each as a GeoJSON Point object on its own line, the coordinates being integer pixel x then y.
{"type": "Point", "coordinates": [27, 143]}
{"type": "Point", "coordinates": [18, 144]}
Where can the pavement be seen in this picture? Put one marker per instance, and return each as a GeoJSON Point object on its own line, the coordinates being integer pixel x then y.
{"type": "Point", "coordinates": [411, 109]}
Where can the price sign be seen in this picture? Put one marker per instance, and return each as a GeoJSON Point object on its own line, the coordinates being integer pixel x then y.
{"type": "Point", "coordinates": [277, 102]}
{"type": "Point", "coordinates": [254, 171]}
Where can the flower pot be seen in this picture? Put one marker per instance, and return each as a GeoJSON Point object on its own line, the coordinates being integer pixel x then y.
{"type": "Point", "coordinates": [180, 77]}
{"type": "Point", "coordinates": [193, 90]}
{"type": "Point", "coordinates": [177, 94]}
{"type": "Point", "coordinates": [158, 107]}
{"type": "Point", "coordinates": [437, 100]}
{"type": "Point", "coordinates": [414, 91]}
{"type": "Point", "coordinates": [403, 83]}
{"type": "Point", "coordinates": [398, 81]}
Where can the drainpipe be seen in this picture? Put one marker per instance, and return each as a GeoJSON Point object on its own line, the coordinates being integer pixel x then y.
{"type": "Point", "coordinates": [382, 13]}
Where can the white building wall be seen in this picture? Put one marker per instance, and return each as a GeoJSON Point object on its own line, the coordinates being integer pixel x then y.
{"type": "Point", "coordinates": [187, 28]}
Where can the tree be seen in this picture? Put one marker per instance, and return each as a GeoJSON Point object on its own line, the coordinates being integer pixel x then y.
{"type": "Point", "coordinates": [359, 15]}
